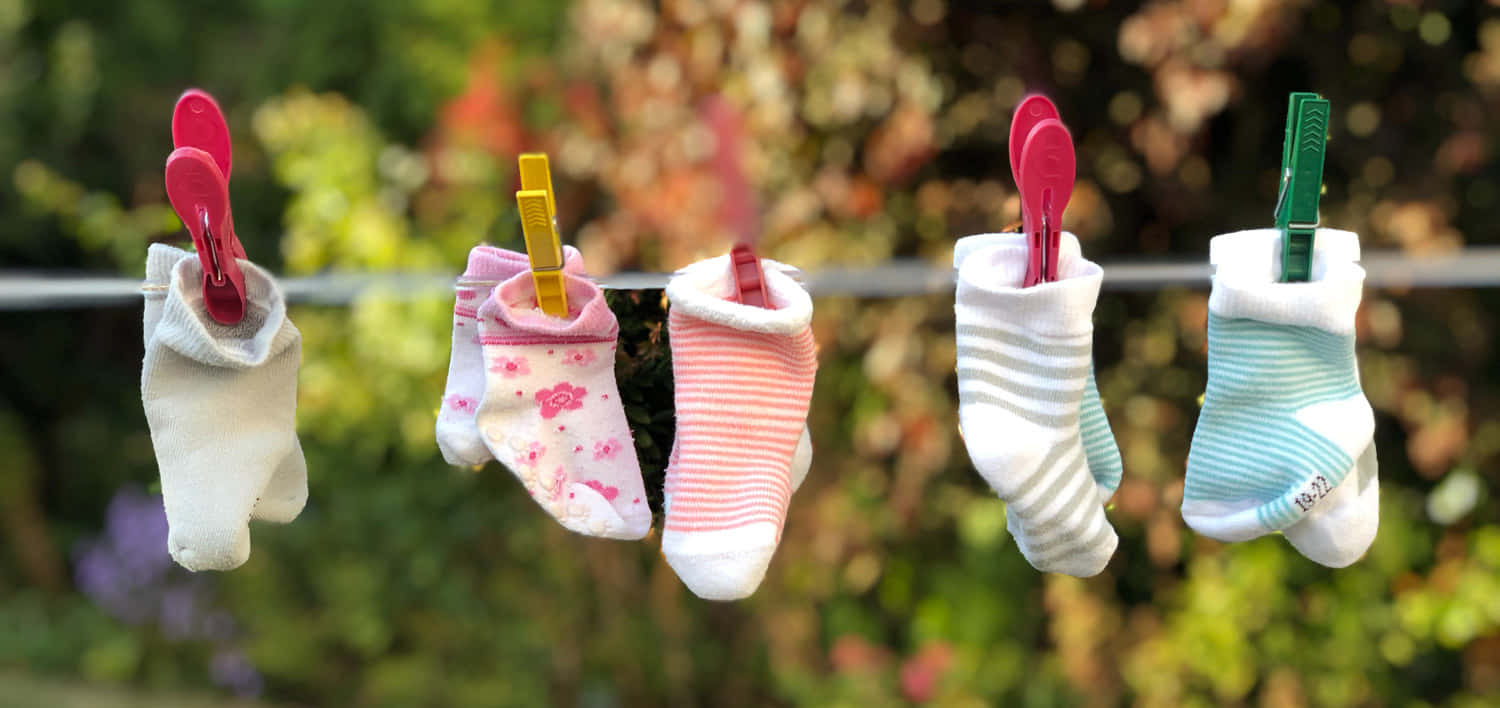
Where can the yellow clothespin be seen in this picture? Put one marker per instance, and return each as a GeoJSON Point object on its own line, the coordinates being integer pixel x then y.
{"type": "Point", "coordinates": [539, 225]}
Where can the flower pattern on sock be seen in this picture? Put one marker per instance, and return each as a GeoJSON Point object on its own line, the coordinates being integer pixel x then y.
{"type": "Point", "coordinates": [609, 493]}
{"type": "Point", "coordinates": [511, 367]}
{"type": "Point", "coordinates": [532, 454]}
{"type": "Point", "coordinates": [606, 449]}
{"type": "Point", "coordinates": [463, 405]}
{"type": "Point", "coordinates": [562, 397]}
{"type": "Point", "coordinates": [578, 357]}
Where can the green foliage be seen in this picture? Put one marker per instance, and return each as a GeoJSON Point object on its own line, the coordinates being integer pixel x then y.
{"type": "Point", "coordinates": [380, 136]}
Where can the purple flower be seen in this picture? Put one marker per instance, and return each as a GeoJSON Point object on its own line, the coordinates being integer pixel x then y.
{"type": "Point", "coordinates": [128, 573]}
{"type": "Point", "coordinates": [231, 669]}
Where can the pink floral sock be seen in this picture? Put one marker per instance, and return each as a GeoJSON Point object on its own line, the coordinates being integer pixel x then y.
{"type": "Point", "coordinates": [551, 411]}
{"type": "Point", "coordinates": [457, 437]}
{"type": "Point", "coordinates": [744, 379]}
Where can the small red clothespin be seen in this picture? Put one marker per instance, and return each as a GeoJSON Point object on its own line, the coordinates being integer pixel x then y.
{"type": "Point", "coordinates": [749, 280]}
{"type": "Point", "coordinates": [1044, 166]}
{"type": "Point", "coordinates": [197, 178]}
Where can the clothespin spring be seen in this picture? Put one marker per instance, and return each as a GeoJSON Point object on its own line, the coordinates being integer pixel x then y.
{"type": "Point", "coordinates": [213, 249]}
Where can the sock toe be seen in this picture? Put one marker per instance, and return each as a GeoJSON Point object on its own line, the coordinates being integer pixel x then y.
{"type": "Point", "coordinates": [461, 445]}
{"type": "Point", "coordinates": [209, 548]}
{"type": "Point", "coordinates": [1339, 533]}
{"type": "Point", "coordinates": [286, 494]}
{"type": "Point", "coordinates": [725, 575]}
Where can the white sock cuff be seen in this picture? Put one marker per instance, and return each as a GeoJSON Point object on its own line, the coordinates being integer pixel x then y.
{"type": "Point", "coordinates": [700, 289]}
{"type": "Point", "coordinates": [1246, 284]}
{"type": "Point", "coordinates": [187, 329]}
{"type": "Point", "coordinates": [990, 280]}
{"type": "Point", "coordinates": [161, 258]}
{"type": "Point", "coordinates": [1255, 254]}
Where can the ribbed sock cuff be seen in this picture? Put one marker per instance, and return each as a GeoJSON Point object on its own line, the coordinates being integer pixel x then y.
{"type": "Point", "coordinates": [1246, 283]}
{"type": "Point", "coordinates": [990, 278]}
{"type": "Point", "coordinates": [700, 289]}
{"type": "Point", "coordinates": [187, 328]}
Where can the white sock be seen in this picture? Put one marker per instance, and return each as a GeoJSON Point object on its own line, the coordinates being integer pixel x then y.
{"type": "Point", "coordinates": [552, 413]}
{"type": "Point", "coordinates": [1282, 369]}
{"type": "Point", "coordinates": [743, 379]}
{"type": "Point", "coordinates": [457, 436]}
{"type": "Point", "coordinates": [1099, 448]}
{"type": "Point", "coordinates": [1024, 362]}
{"type": "Point", "coordinates": [221, 403]}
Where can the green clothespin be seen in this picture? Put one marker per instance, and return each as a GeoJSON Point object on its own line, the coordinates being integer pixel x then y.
{"type": "Point", "coordinates": [1301, 183]}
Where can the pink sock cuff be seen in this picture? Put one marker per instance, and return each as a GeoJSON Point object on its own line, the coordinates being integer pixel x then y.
{"type": "Point", "coordinates": [498, 264]}
{"type": "Point", "coordinates": [510, 314]}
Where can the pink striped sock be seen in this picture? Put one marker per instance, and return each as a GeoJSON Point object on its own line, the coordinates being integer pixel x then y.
{"type": "Point", "coordinates": [744, 379]}
{"type": "Point", "coordinates": [551, 412]}
{"type": "Point", "coordinates": [457, 437]}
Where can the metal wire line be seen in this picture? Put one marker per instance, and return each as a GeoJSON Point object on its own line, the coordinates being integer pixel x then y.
{"type": "Point", "coordinates": [1473, 267]}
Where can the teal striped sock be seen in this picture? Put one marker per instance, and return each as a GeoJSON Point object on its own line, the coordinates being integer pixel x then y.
{"type": "Point", "coordinates": [1283, 422]}
{"type": "Point", "coordinates": [1098, 440]}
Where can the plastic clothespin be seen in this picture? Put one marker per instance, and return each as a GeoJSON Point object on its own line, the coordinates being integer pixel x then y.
{"type": "Point", "coordinates": [1301, 182]}
{"type": "Point", "coordinates": [538, 210]}
{"type": "Point", "coordinates": [1044, 166]}
{"type": "Point", "coordinates": [749, 279]}
{"type": "Point", "coordinates": [197, 181]}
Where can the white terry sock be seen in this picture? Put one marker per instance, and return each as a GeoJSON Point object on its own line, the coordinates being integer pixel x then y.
{"type": "Point", "coordinates": [221, 404]}
{"type": "Point", "coordinates": [1282, 369]}
{"type": "Point", "coordinates": [1024, 359]}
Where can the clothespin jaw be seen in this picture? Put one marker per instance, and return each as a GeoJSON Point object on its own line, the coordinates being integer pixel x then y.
{"type": "Point", "coordinates": [1044, 165]}
{"type": "Point", "coordinates": [1301, 189]}
{"type": "Point", "coordinates": [197, 181]}
{"type": "Point", "coordinates": [749, 279]}
{"type": "Point", "coordinates": [538, 208]}
{"type": "Point", "coordinates": [200, 196]}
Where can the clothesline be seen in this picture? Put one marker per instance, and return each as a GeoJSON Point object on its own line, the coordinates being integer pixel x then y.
{"type": "Point", "coordinates": [1473, 267]}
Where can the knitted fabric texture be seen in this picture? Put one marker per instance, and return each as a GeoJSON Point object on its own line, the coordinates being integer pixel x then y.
{"type": "Point", "coordinates": [551, 411]}
{"type": "Point", "coordinates": [1282, 372]}
{"type": "Point", "coordinates": [221, 404]}
{"type": "Point", "coordinates": [744, 378]}
{"type": "Point", "coordinates": [1024, 364]}
{"type": "Point", "coordinates": [1099, 448]}
{"type": "Point", "coordinates": [457, 436]}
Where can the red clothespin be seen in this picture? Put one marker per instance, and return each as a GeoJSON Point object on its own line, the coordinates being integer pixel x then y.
{"type": "Point", "coordinates": [1044, 166]}
{"type": "Point", "coordinates": [749, 281]}
{"type": "Point", "coordinates": [197, 178]}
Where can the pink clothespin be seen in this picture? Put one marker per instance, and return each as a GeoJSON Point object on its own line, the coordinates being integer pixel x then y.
{"type": "Point", "coordinates": [197, 178]}
{"type": "Point", "coordinates": [749, 280]}
{"type": "Point", "coordinates": [1044, 166]}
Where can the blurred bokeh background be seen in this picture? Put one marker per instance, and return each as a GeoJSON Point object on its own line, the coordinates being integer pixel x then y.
{"type": "Point", "coordinates": [381, 135]}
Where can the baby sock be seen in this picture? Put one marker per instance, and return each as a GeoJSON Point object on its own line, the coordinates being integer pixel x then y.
{"type": "Point", "coordinates": [1099, 448]}
{"type": "Point", "coordinates": [1282, 373]}
{"type": "Point", "coordinates": [744, 379]}
{"type": "Point", "coordinates": [801, 459]}
{"type": "Point", "coordinates": [551, 412]}
{"type": "Point", "coordinates": [221, 404]}
{"type": "Point", "coordinates": [457, 436]}
{"type": "Point", "coordinates": [1024, 363]}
